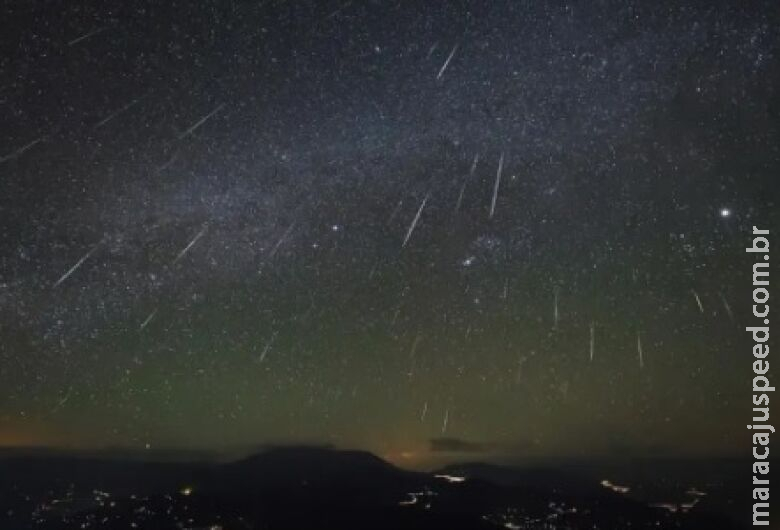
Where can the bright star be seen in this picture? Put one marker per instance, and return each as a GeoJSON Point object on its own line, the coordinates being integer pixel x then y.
{"type": "Point", "coordinates": [725, 212]}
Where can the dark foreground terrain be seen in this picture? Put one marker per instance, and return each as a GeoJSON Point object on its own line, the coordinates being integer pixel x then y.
{"type": "Point", "coordinates": [301, 488]}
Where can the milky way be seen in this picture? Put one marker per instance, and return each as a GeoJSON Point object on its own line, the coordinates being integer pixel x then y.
{"type": "Point", "coordinates": [516, 225]}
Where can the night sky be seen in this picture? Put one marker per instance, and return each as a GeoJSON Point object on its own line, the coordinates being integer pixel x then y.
{"type": "Point", "coordinates": [500, 229]}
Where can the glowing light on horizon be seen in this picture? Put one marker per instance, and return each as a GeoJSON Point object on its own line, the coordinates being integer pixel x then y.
{"type": "Point", "coordinates": [451, 478]}
{"type": "Point", "coordinates": [614, 487]}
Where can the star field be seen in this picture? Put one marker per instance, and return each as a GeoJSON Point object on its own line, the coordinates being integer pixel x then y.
{"type": "Point", "coordinates": [378, 224]}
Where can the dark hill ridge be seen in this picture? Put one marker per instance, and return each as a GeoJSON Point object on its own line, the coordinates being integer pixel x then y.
{"type": "Point", "coordinates": [313, 474]}
{"type": "Point", "coordinates": [726, 481]}
{"type": "Point", "coordinates": [548, 476]}
{"type": "Point", "coordinates": [284, 463]}
{"type": "Point", "coordinates": [312, 487]}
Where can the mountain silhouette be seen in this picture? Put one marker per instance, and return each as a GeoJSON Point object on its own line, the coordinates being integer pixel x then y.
{"type": "Point", "coordinates": [313, 465]}
{"type": "Point", "coordinates": [314, 488]}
